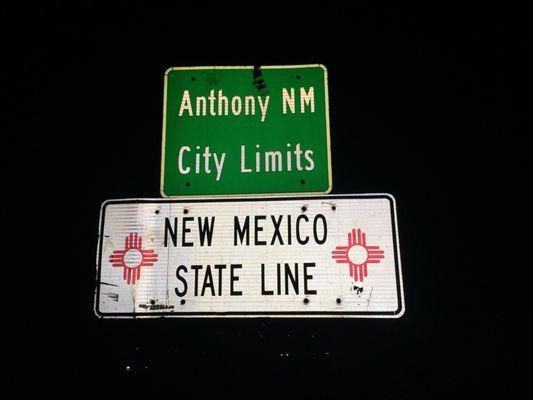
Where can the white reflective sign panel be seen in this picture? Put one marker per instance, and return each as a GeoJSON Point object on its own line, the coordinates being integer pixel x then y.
{"type": "Point", "coordinates": [325, 256]}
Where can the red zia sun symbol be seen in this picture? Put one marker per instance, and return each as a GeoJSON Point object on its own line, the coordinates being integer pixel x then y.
{"type": "Point", "coordinates": [132, 258]}
{"type": "Point", "coordinates": [357, 254]}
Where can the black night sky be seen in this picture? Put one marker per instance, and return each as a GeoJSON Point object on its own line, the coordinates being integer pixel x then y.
{"type": "Point", "coordinates": [439, 95]}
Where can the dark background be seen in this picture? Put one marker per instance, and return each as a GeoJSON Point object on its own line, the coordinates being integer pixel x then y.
{"type": "Point", "coordinates": [429, 104]}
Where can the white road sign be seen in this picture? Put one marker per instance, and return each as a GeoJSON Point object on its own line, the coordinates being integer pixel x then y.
{"type": "Point", "coordinates": [325, 256]}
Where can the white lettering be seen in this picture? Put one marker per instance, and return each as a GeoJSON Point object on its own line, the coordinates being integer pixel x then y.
{"type": "Point", "coordinates": [236, 105]}
{"type": "Point", "coordinates": [219, 165]}
{"type": "Point", "coordinates": [306, 99]}
{"type": "Point", "coordinates": [243, 160]}
{"type": "Point", "coordinates": [180, 160]}
{"type": "Point", "coordinates": [308, 154]}
{"type": "Point", "coordinates": [249, 100]}
{"type": "Point", "coordinates": [186, 104]}
{"type": "Point", "coordinates": [288, 100]}
{"type": "Point", "coordinates": [263, 107]}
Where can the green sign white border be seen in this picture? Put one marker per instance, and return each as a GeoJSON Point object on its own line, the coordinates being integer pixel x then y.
{"type": "Point", "coordinates": [251, 67]}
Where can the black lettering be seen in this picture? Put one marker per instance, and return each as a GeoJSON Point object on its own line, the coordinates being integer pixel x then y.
{"type": "Point", "coordinates": [289, 234]}
{"type": "Point", "coordinates": [220, 267]}
{"type": "Point", "coordinates": [241, 232]}
{"type": "Point", "coordinates": [208, 281]}
{"type": "Point", "coordinates": [185, 230]}
{"type": "Point", "coordinates": [293, 278]}
{"type": "Point", "coordinates": [277, 233]}
{"type": "Point", "coordinates": [308, 277]}
{"type": "Point", "coordinates": [263, 291]}
{"type": "Point", "coordinates": [206, 229]}
{"type": "Point", "coordinates": [324, 224]}
{"type": "Point", "coordinates": [233, 279]}
{"type": "Point", "coordinates": [259, 229]}
{"type": "Point", "coordinates": [300, 217]}
{"type": "Point", "coordinates": [182, 279]}
{"type": "Point", "coordinates": [279, 278]}
{"type": "Point", "coordinates": [196, 268]}
{"type": "Point", "coordinates": [173, 233]}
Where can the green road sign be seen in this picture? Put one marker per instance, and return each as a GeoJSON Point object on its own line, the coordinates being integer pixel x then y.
{"type": "Point", "coordinates": [245, 130]}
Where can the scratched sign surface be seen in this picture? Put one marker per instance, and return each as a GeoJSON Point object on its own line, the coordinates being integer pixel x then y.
{"type": "Point", "coordinates": [245, 130]}
{"type": "Point", "coordinates": [302, 257]}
